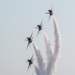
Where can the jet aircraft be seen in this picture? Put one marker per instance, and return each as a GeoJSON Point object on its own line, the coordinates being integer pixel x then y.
{"type": "Point", "coordinates": [30, 61]}
{"type": "Point", "coordinates": [39, 27]}
{"type": "Point", "coordinates": [50, 12]}
{"type": "Point", "coordinates": [29, 39]}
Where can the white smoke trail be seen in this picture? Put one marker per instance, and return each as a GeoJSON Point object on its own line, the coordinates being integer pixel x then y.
{"type": "Point", "coordinates": [38, 72]}
{"type": "Point", "coordinates": [57, 45]}
{"type": "Point", "coordinates": [49, 53]}
{"type": "Point", "coordinates": [41, 64]}
{"type": "Point", "coordinates": [58, 41]}
{"type": "Point", "coordinates": [52, 56]}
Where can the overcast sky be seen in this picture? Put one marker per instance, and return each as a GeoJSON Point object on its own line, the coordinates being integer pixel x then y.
{"type": "Point", "coordinates": [18, 18]}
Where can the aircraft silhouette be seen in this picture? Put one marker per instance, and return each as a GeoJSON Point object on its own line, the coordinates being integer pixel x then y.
{"type": "Point", "coordinates": [29, 39]}
{"type": "Point", "coordinates": [30, 61]}
{"type": "Point", "coordinates": [50, 12]}
{"type": "Point", "coordinates": [39, 27]}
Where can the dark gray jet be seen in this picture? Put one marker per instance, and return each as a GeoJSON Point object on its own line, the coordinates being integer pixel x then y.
{"type": "Point", "coordinates": [50, 12]}
{"type": "Point", "coordinates": [29, 39]}
{"type": "Point", "coordinates": [39, 27]}
{"type": "Point", "coordinates": [30, 61]}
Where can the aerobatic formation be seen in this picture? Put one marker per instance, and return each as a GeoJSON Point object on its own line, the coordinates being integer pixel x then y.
{"type": "Point", "coordinates": [48, 67]}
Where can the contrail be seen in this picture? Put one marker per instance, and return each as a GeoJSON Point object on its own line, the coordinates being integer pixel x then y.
{"type": "Point", "coordinates": [38, 72]}
{"type": "Point", "coordinates": [41, 64]}
{"type": "Point", "coordinates": [58, 41]}
{"type": "Point", "coordinates": [57, 45]}
{"type": "Point", "coordinates": [49, 53]}
{"type": "Point", "coordinates": [52, 55]}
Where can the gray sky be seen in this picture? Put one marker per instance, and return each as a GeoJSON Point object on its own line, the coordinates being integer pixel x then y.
{"type": "Point", "coordinates": [18, 18]}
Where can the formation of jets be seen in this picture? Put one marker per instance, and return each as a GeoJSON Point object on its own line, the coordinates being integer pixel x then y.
{"type": "Point", "coordinates": [30, 39]}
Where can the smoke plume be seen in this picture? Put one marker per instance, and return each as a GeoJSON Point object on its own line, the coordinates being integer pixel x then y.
{"type": "Point", "coordinates": [41, 64]}
{"type": "Point", "coordinates": [57, 45]}
{"type": "Point", "coordinates": [52, 55]}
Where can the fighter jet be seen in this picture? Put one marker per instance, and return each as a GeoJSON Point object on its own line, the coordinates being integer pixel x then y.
{"type": "Point", "coordinates": [50, 12]}
{"type": "Point", "coordinates": [39, 27]}
{"type": "Point", "coordinates": [29, 39]}
{"type": "Point", "coordinates": [30, 61]}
